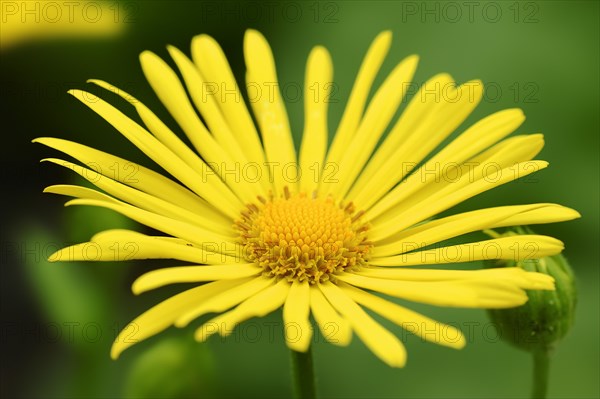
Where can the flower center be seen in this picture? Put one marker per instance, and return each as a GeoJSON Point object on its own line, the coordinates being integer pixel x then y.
{"type": "Point", "coordinates": [302, 238]}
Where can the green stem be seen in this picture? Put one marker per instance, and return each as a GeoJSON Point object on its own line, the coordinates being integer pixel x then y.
{"type": "Point", "coordinates": [304, 376]}
{"type": "Point", "coordinates": [541, 368]}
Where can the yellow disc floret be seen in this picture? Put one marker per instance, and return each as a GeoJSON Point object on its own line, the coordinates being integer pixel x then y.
{"type": "Point", "coordinates": [303, 238]}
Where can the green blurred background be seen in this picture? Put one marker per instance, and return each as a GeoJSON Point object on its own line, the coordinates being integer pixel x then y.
{"type": "Point", "coordinates": [58, 320]}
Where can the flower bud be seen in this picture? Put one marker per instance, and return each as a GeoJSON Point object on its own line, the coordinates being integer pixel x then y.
{"type": "Point", "coordinates": [545, 319]}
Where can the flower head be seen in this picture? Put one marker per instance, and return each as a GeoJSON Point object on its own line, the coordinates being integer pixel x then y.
{"type": "Point", "coordinates": [263, 226]}
{"type": "Point", "coordinates": [303, 238]}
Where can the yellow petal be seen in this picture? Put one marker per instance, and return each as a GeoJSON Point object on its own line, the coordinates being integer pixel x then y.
{"type": "Point", "coordinates": [122, 245]}
{"type": "Point", "coordinates": [428, 134]}
{"type": "Point", "coordinates": [77, 192]}
{"type": "Point", "coordinates": [232, 166]}
{"type": "Point", "coordinates": [258, 305]}
{"type": "Point", "coordinates": [421, 110]}
{"type": "Point", "coordinates": [148, 202]}
{"type": "Point", "coordinates": [514, 275]}
{"type": "Point", "coordinates": [515, 248]}
{"type": "Point", "coordinates": [385, 227]}
{"type": "Point", "coordinates": [379, 340]}
{"type": "Point", "coordinates": [163, 315]}
{"type": "Point", "coordinates": [376, 119]}
{"type": "Point", "coordinates": [358, 97]}
{"type": "Point", "coordinates": [269, 110]}
{"type": "Point", "coordinates": [212, 63]}
{"type": "Point", "coordinates": [488, 293]}
{"type": "Point", "coordinates": [424, 327]}
{"type": "Point", "coordinates": [549, 214]}
{"type": "Point", "coordinates": [206, 104]}
{"type": "Point", "coordinates": [224, 300]}
{"type": "Point", "coordinates": [201, 182]}
{"type": "Point", "coordinates": [192, 274]}
{"type": "Point", "coordinates": [171, 92]}
{"type": "Point", "coordinates": [439, 168]}
{"type": "Point", "coordinates": [129, 173]}
{"type": "Point", "coordinates": [317, 88]}
{"type": "Point", "coordinates": [456, 225]}
{"type": "Point", "coordinates": [176, 228]}
{"type": "Point", "coordinates": [437, 179]}
{"type": "Point", "coordinates": [335, 328]}
{"type": "Point", "coordinates": [297, 328]}
{"type": "Point", "coordinates": [481, 135]}
{"type": "Point", "coordinates": [166, 136]}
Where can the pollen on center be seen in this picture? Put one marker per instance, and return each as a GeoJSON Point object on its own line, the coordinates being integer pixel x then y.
{"type": "Point", "coordinates": [303, 238]}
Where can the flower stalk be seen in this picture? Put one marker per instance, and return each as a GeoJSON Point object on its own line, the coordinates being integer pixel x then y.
{"type": "Point", "coordinates": [541, 370]}
{"type": "Point", "coordinates": [539, 325]}
{"type": "Point", "coordinates": [303, 374]}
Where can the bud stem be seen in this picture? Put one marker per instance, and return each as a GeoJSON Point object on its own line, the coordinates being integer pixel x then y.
{"type": "Point", "coordinates": [303, 375]}
{"type": "Point", "coordinates": [541, 369]}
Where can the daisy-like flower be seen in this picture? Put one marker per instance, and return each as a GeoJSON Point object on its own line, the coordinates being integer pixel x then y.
{"type": "Point", "coordinates": [317, 231]}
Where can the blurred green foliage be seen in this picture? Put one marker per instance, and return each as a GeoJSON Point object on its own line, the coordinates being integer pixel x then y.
{"type": "Point", "coordinates": [174, 367]}
{"type": "Point", "coordinates": [539, 56]}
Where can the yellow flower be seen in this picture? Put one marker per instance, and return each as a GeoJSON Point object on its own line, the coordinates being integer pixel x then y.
{"type": "Point", "coordinates": [315, 231]}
